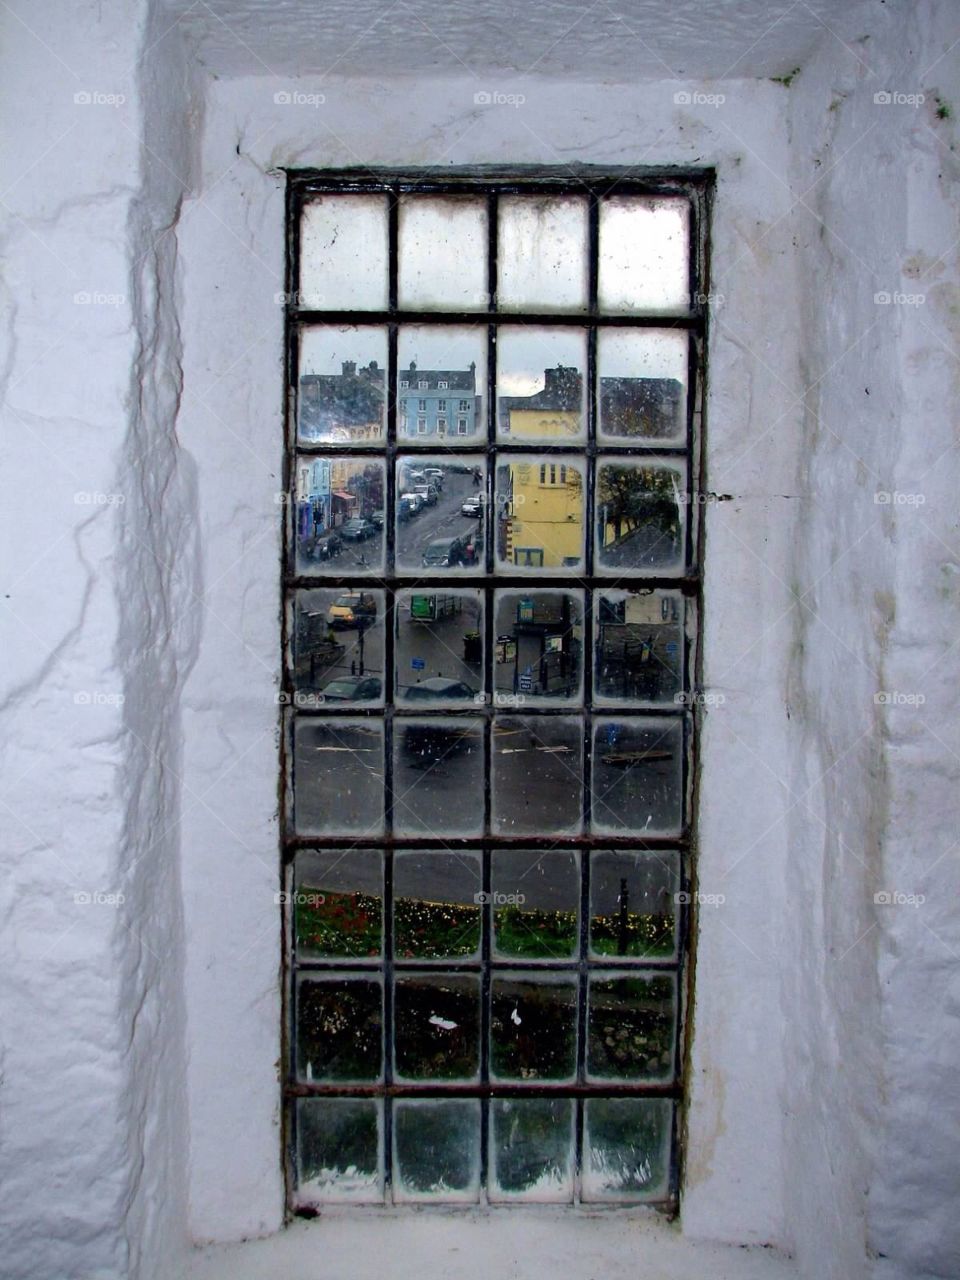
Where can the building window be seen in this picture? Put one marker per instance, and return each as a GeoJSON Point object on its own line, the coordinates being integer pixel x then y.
{"type": "Point", "coordinates": [404, 384]}
{"type": "Point", "coordinates": [488, 706]}
{"type": "Point", "coordinates": [441, 404]}
{"type": "Point", "coordinates": [422, 385]}
{"type": "Point", "coordinates": [422, 404]}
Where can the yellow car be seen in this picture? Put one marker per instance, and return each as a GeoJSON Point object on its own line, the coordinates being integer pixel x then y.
{"type": "Point", "coordinates": [348, 609]}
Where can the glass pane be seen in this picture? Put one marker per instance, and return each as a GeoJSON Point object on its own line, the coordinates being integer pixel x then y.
{"type": "Point", "coordinates": [540, 510]}
{"type": "Point", "coordinates": [338, 777]}
{"type": "Point", "coordinates": [338, 904]}
{"type": "Point", "coordinates": [531, 1148]}
{"type": "Point", "coordinates": [439, 520]}
{"type": "Point", "coordinates": [540, 383]}
{"type": "Point", "coordinates": [437, 1026]}
{"type": "Point", "coordinates": [343, 253]}
{"type": "Point", "coordinates": [631, 1027]}
{"type": "Point", "coordinates": [343, 385]}
{"type": "Point", "coordinates": [436, 906]}
{"type": "Point", "coordinates": [535, 899]}
{"type": "Point", "coordinates": [436, 1150]}
{"type": "Point", "coordinates": [439, 647]}
{"type": "Point", "coordinates": [644, 254]}
{"type": "Point", "coordinates": [339, 1027]}
{"type": "Point", "coordinates": [339, 1154]}
{"type": "Point", "coordinates": [537, 775]}
{"type": "Point", "coordinates": [533, 1027]}
{"type": "Point", "coordinates": [642, 385]}
{"type": "Point", "coordinates": [641, 516]}
{"type": "Point", "coordinates": [337, 642]}
{"type": "Point", "coordinates": [442, 382]}
{"type": "Point", "coordinates": [638, 776]}
{"type": "Point", "coordinates": [338, 515]}
{"type": "Point", "coordinates": [539, 655]}
{"type": "Point", "coordinates": [443, 253]}
{"type": "Point", "coordinates": [542, 253]}
{"type": "Point", "coordinates": [626, 1148]}
{"type": "Point", "coordinates": [639, 646]}
{"type": "Point", "coordinates": [632, 905]}
{"type": "Point", "coordinates": [438, 777]}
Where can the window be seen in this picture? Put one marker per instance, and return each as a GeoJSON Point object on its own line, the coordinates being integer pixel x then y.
{"type": "Point", "coordinates": [488, 720]}
{"type": "Point", "coordinates": [404, 384]}
{"type": "Point", "coordinates": [422, 404]}
{"type": "Point", "coordinates": [441, 404]}
{"type": "Point", "coordinates": [423, 385]}
{"type": "Point", "coordinates": [443, 387]}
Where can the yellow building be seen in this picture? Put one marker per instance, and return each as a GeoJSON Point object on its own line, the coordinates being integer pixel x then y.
{"type": "Point", "coordinates": [543, 424]}
{"type": "Point", "coordinates": [542, 516]}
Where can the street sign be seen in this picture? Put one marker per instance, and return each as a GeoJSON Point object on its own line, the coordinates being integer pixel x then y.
{"type": "Point", "coordinates": [525, 682]}
{"type": "Point", "coordinates": [417, 663]}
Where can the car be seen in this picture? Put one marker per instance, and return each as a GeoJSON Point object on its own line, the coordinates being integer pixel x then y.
{"type": "Point", "coordinates": [376, 519]}
{"type": "Point", "coordinates": [357, 529]}
{"type": "Point", "coordinates": [442, 553]}
{"type": "Point", "coordinates": [353, 689]}
{"type": "Point", "coordinates": [472, 506]}
{"type": "Point", "coordinates": [352, 608]}
{"type": "Point", "coordinates": [429, 493]}
{"type": "Point", "coordinates": [326, 546]}
{"type": "Point", "coordinates": [434, 475]}
{"type": "Point", "coordinates": [437, 689]}
{"type": "Point", "coordinates": [415, 502]}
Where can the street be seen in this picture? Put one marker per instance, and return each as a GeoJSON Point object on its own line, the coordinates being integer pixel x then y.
{"type": "Point", "coordinates": [648, 547]}
{"type": "Point", "coordinates": [440, 521]}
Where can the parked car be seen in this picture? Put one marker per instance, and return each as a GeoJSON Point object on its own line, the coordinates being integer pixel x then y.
{"type": "Point", "coordinates": [357, 529]}
{"type": "Point", "coordinates": [437, 689]}
{"type": "Point", "coordinates": [347, 609]}
{"type": "Point", "coordinates": [429, 492]}
{"type": "Point", "coordinates": [353, 689]}
{"type": "Point", "coordinates": [376, 519]}
{"type": "Point", "coordinates": [442, 553]}
{"type": "Point", "coordinates": [434, 475]}
{"type": "Point", "coordinates": [327, 545]}
{"type": "Point", "coordinates": [472, 506]}
{"type": "Point", "coordinates": [415, 502]}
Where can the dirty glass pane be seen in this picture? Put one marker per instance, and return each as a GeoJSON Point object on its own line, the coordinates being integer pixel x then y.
{"type": "Point", "coordinates": [439, 514]}
{"type": "Point", "coordinates": [639, 646]}
{"type": "Point", "coordinates": [339, 1150]}
{"type": "Point", "coordinates": [437, 1026]}
{"type": "Point", "coordinates": [343, 253]}
{"type": "Point", "coordinates": [436, 906]}
{"type": "Point", "coordinates": [542, 253]}
{"type": "Point", "coordinates": [439, 648]}
{"type": "Point", "coordinates": [441, 385]}
{"type": "Point", "coordinates": [338, 515]}
{"type": "Point", "coordinates": [641, 516]}
{"type": "Point", "coordinates": [339, 1028]}
{"type": "Point", "coordinates": [540, 514]}
{"type": "Point", "coordinates": [540, 383]}
{"type": "Point", "coordinates": [438, 777]}
{"type": "Point", "coordinates": [531, 1149]}
{"type": "Point", "coordinates": [338, 777]}
{"type": "Point", "coordinates": [535, 902]}
{"type": "Point", "coordinates": [343, 385]}
{"type": "Point", "coordinates": [632, 905]}
{"type": "Point", "coordinates": [539, 654]}
{"type": "Point", "coordinates": [644, 254]}
{"type": "Point", "coordinates": [626, 1148]}
{"type": "Point", "coordinates": [631, 1026]}
{"type": "Point", "coordinates": [337, 901]}
{"type": "Point", "coordinates": [443, 253]}
{"type": "Point", "coordinates": [537, 775]}
{"type": "Point", "coordinates": [337, 647]}
{"type": "Point", "coordinates": [436, 1150]}
{"type": "Point", "coordinates": [533, 1027]}
{"type": "Point", "coordinates": [642, 385]}
{"type": "Point", "coordinates": [638, 776]}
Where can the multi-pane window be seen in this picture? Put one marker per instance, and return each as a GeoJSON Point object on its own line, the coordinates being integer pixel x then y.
{"type": "Point", "coordinates": [490, 648]}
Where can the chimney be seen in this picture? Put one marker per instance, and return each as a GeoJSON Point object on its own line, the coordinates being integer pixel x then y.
{"type": "Point", "coordinates": [349, 368]}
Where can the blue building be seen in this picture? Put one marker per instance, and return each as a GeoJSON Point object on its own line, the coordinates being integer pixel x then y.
{"type": "Point", "coordinates": [438, 402]}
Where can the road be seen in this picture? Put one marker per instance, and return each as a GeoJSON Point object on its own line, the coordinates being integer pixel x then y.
{"type": "Point", "coordinates": [646, 548]}
{"type": "Point", "coordinates": [441, 521]}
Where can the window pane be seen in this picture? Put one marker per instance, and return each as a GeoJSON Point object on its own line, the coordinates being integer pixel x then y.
{"type": "Point", "coordinates": [338, 514]}
{"type": "Point", "coordinates": [435, 535]}
{"type": "Point", "coordinates": [540, 510]}
{"type": "Point", "coordinates": [626, 1148]}
{"type": "Point", "coordinates": [339, 1028]}
{"type": "Point", "coordinates": [531, 1149]}
{"type": "Point", "coordinates": [537, 775]}
{"type": "Point", "coordinates": [437, 1019]}
{"type": "Point", "coordinates": [642, 385]}
{"type": "Point", "coordinates": [644, 254]}
{"type": "Point", "coordinates": [439, 648]}
{"type": "Point", "coordinates": [436, 1148]}
{"type": "Point", "coordinates": [540, 383]}
{"type": "Point", "coordinates": [638, 776]}
{"type": "Point", "coordinates": [442, 381]}
{"type": "Point", "coordinates": [339, 1150]}
{"type": "Point", "coordinates": [533, 1027]}
{"type": "Point", "coordinates": [343, 385]}
{"type": "Point", "coordinates": [338, 904]}
{"type": "Point", "coordinates": [539, 636]}
{"type": "Point", "coordinates": [443, 253]}
{"type": "Point", "coordinates": [633, 905]}
{"type": "Point", "coordinates": [641, 516]}
{"type": "Point", "coordinates": [631, 1027]}
{"type": "Point", "coordinates": [343, 253]}
{"type": "Point", "coordinates": [337, 643]}
{"type": "Point", "coordinates": [438, 777]}
{"type": "Point", "coordinates": [535, 902]}
{"type": "Point", "coordinates": [542, 253]}
{"type": "Point", "coordinates": [338, 777]}
{"type": "Point", "coordinates": [639, 646]}
{"type": "Point", "coordinates": [436, 907]}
